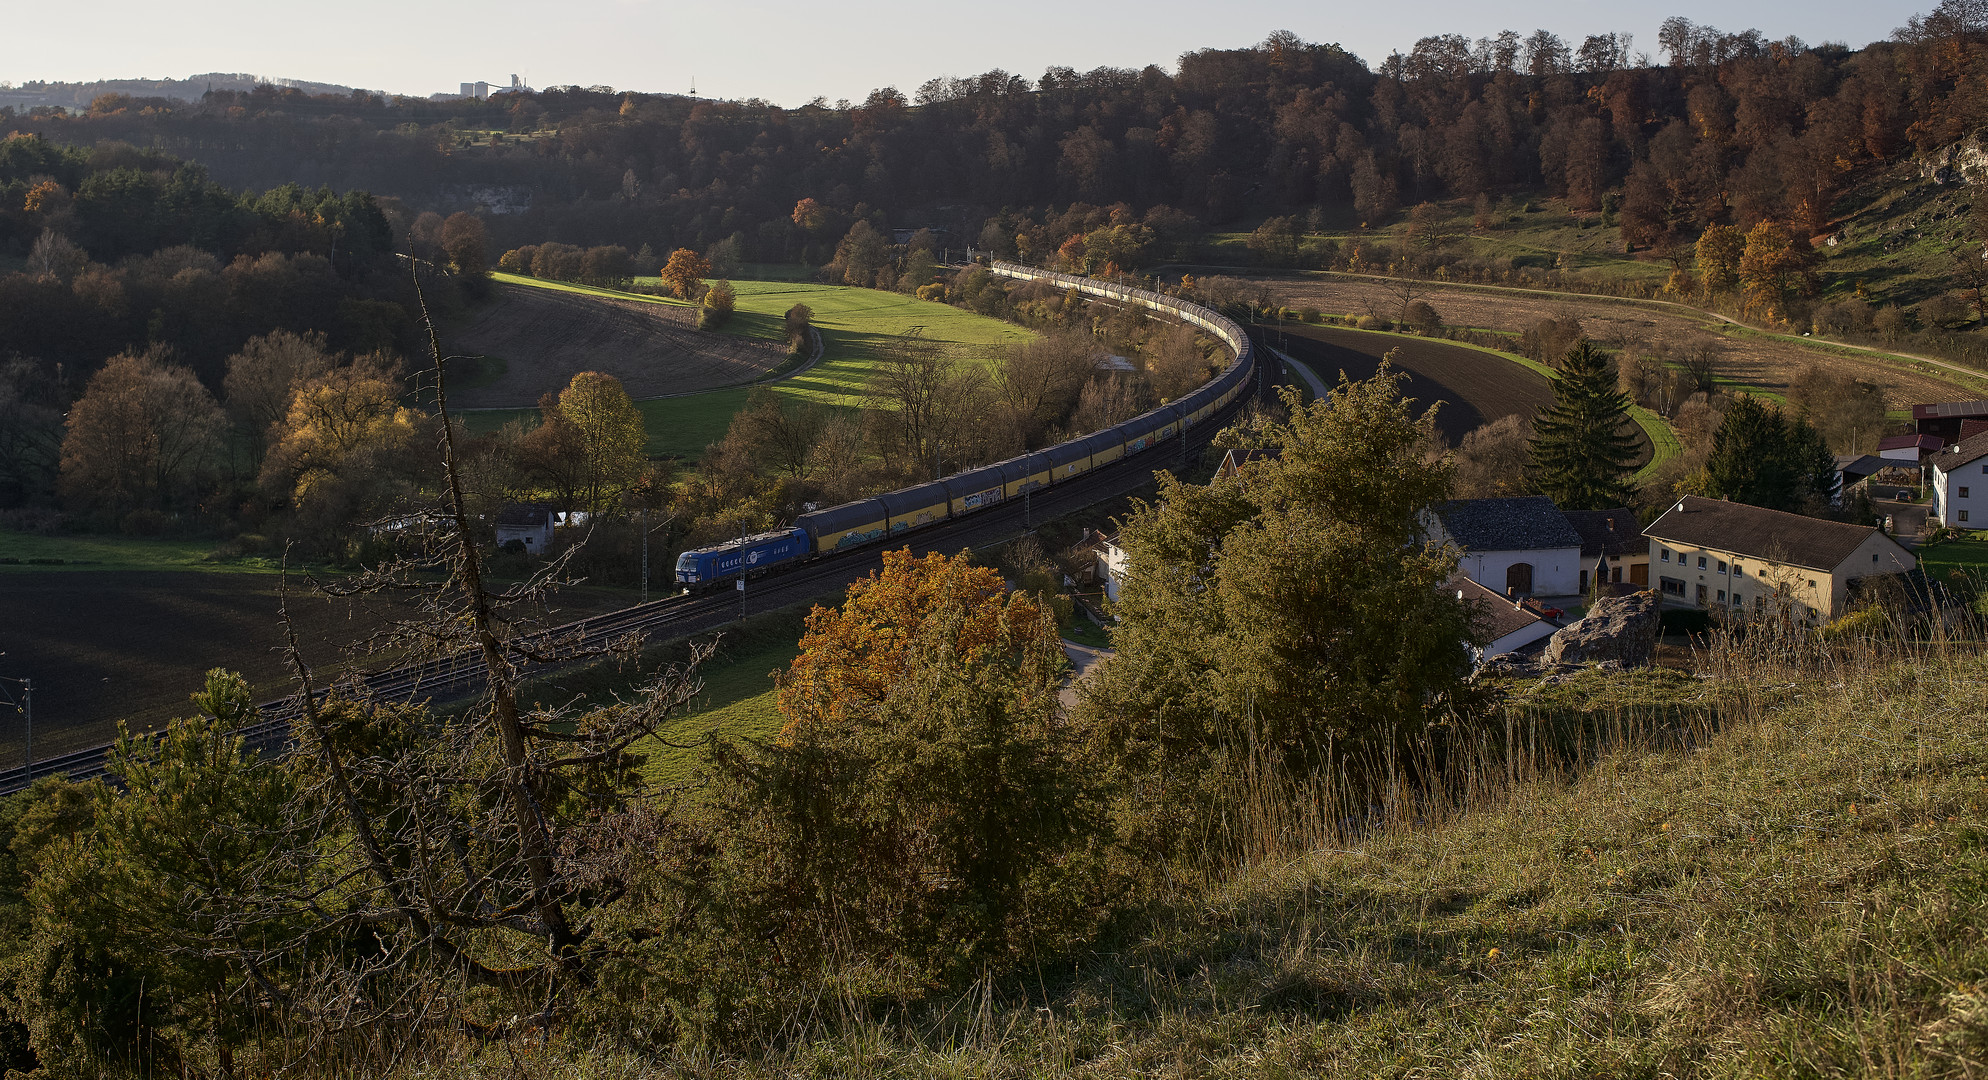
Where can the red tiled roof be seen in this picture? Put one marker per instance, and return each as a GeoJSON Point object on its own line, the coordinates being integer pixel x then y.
{"type": "Point", "coordinates": [1928, 443]}
{"type": "Point", "coordinates": [1948, 410]}
{"type": "Point", "coordinates": [1501, 616]}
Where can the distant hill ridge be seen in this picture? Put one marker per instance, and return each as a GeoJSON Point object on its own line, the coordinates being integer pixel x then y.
{"type": "Point", "coordinates": [78, 95]}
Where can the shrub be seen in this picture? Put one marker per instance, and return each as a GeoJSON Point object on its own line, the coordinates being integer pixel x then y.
{"type": "Point", "coordinates": [1423, 317]}
{"type": "Point", "coordinates": [1872, 621]}
{"type": "Point", "coordinates": [1943, 312]}
{"type": "Point", "coordinates": [719, 300]}
{"type": "Point", "coordinates": [144, 523]}
{"type": "Point", "coordinates": [1890, 322]}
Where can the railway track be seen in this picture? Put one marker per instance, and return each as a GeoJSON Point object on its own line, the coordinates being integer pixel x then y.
{"type": "Point", "coordinates": [460, 675]}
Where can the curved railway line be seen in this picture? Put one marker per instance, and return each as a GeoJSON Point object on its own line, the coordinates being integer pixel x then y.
{"type": "Point", "coordinates": [461, 674]}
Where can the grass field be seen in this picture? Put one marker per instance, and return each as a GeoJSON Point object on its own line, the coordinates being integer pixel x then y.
{"type": "Point", "coordinates": [738, 701]}
{"type": "Point", "coordinates": [1969, 556]}
{"type": "Point", "coordinates": [29, 553]}
{"type": "Point", "coordinates": [1539, 234]}
{"type": "Point", "coordinates": [854, 323]}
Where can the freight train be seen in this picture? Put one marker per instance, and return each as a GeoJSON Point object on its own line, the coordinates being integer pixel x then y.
{"type": "Point", "coordinates": [884, 517]}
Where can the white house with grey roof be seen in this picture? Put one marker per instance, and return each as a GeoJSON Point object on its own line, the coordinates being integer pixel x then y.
{"type": "Point", "coordinates": [1960, 484]}
{"type": "Point", "coordinates": [1522, 545]}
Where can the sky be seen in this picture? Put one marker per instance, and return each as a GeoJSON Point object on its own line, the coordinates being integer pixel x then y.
{"type": "Point", "coordinates": [787, 51]}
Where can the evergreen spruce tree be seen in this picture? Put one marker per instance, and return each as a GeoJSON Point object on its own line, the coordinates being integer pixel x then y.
{"type": "Point", "coordinates": [1813, 464]}
{"type": "Point", "coordinates": [1580, 446]}
{"type": "Point", "coordinates": [1751, 460]}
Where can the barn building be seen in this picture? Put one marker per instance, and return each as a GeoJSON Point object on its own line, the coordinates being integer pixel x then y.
{"type": "Point", "coordinates": [1522, 544]}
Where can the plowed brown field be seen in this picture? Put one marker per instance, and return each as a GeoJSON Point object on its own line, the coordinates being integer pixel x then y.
{"type": "Point", "coordinates": [1751, 361]}
{"type": "Point", "coordinates": [1475, 387]}
{"type": "Point", "coordinates": [110, 645]}
{"type": "Point", "coordinates": [545, 337]}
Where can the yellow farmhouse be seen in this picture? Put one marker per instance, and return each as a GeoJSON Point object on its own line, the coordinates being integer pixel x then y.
{"type": "Point", "coordinates": [1730, 556]}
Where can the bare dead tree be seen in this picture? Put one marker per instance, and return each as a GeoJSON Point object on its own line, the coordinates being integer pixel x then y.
{"type": "Point", "coordinates": [450, 870]}
{"type": "Point", "coordinates": [1406, 290]}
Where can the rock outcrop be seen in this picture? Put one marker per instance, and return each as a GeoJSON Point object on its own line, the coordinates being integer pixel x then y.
{"type": "Point", "coordinates": [1622, 629]}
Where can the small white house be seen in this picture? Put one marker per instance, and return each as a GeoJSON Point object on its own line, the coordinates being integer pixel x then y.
{"type": "Point", "coordinates": [1908, 450]}
{"type": "Point", "coordinates": [1112, 565]}
{"type": "Point", "coordinates": [1960, 484]}
{"type": "Point", "coordinates": [1521, 545]}
{"type": "Point", "coordinates": [530, 524]}
{"type": "Point", "coordinates": [1509, 624]}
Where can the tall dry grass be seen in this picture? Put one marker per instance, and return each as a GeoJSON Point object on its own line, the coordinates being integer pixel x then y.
{"type": "Point", "coordinates": [1774, 866]}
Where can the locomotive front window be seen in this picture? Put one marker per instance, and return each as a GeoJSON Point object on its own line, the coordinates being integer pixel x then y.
{"type": "Point", "coordinates": [686, 561]}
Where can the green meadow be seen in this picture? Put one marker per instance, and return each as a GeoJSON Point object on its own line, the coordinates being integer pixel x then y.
{"type": "Point", "coordinates": [855, 325]}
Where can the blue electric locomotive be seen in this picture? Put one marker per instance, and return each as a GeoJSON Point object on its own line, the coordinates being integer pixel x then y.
{"type": "Point", "coordinates": [749, 557]}
{"type": "Point", "coordinates": [881, 517]}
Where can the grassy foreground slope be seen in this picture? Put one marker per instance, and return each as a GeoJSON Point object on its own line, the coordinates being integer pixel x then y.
{"type": "Point", "coordinates": [1803, 892]}
{"type": "Point", "coordinates": [854, 323]}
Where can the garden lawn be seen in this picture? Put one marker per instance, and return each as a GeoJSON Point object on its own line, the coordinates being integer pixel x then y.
{"type": "Point", "coordinates": [1968, 556]}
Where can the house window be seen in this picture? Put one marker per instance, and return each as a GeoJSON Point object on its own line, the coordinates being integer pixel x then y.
{"type": "Point", "coordinates": [1722, 596]}
{"type": "Point", "coordinates": [1738, 571]}
{"type": "Point", "coordinates": [1722, 566]}
{"type": "Point", "coordinates": [1963, 491]}
{"type": "Point", "coordinates": [1665, 552]}
{"type": "Point", "coordinates": [1671, 586]}
{"type": "Point", "coordinates": [1701, 562]}
{"type": "Point", "coordinates": [1963, 517]}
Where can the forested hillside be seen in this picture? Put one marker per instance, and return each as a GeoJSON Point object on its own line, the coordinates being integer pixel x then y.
{"type": "Point", "coordinates": [1728, 128]}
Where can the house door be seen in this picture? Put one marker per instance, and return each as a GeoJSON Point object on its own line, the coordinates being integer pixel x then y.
{"type": "Point", "coordinates": [1639, 574]}
{"type": "Point", "coordinates": [1701, 596]}
{"type": "Point", "coordinates": [1518, 579]}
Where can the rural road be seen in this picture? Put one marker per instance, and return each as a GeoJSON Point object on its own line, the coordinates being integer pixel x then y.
{"type": "Point", "coordinates": [1301, 370]}
{"type": "Point", "coordinates": [1082, 659]}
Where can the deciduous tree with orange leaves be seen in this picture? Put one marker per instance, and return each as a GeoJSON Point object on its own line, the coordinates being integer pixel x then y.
{"type": "Point", "coordinates": [852, 656]}
{"type": "Point", "coordinates": [926, 809]}
{"type": "Point", "coordinates": [685, 273]}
